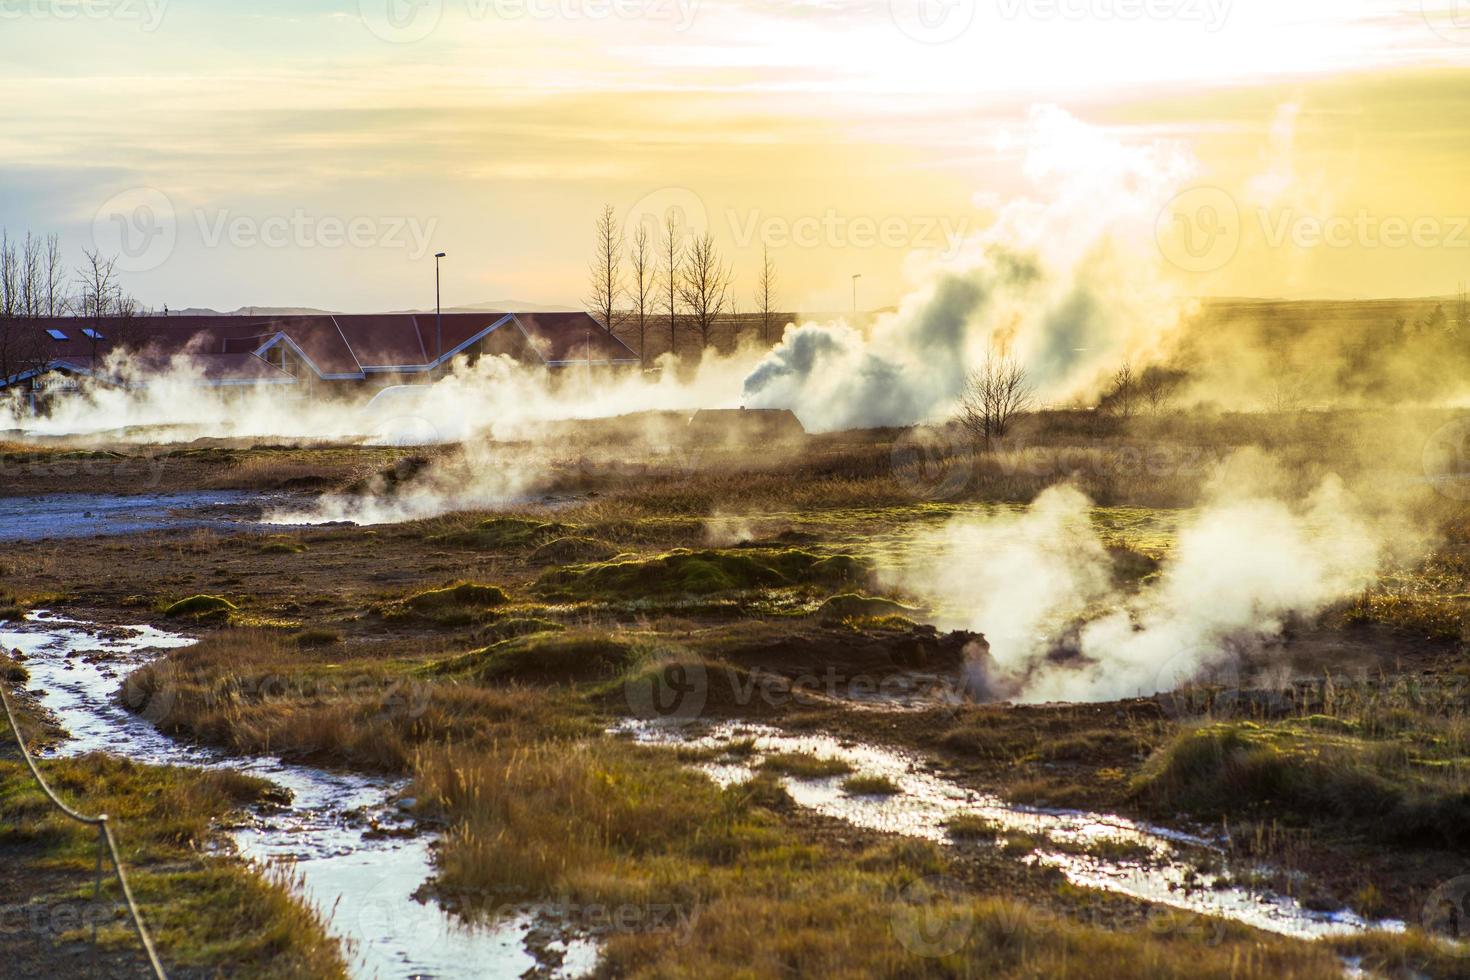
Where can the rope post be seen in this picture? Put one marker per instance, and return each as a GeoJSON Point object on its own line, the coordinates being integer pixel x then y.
{"type": "Point", "coordinates": [97, 904]}
{"type": "Point", "coordinates": [104, 830]}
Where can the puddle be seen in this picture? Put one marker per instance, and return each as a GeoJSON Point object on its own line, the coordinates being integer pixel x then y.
{"type": "Point", "coordinates": [82, 515]}
{"type": "Point", "coordinates": [331, 833]}
{"type": "Point", "coordinates": [1161, 873]}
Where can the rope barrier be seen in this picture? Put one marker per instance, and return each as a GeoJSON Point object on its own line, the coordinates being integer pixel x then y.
{"type": "Point", "coordinates": [105, 842]}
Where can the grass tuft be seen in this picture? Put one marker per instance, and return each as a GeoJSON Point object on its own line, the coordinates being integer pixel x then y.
{"type": "Point", "coordinates": [869, 785]}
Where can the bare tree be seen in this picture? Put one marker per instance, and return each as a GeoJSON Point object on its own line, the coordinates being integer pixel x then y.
{"type": "Point", "coordinates": [9, 277]}
{"type": "Point", "coordinates": [53, 271]}
{"type": "Point", "coordinates": [994, 394]}
{"type": "Point", "coordinates": [607, 270]}
{"type": "Point", "coordinates": [644, 282]}
{"type": "Point", "coordinates": [13, 337]}
{"type": "Point", "coordinates": [32, 285]}
{"type": "Point", "coordinates": [704, 286]}
{"type": "Point", "coordinates": [1121, 398]}
{"type": "Point", "coordinates": [1157, 387]}
{"type": "Point", "coordinates": [673, 259]}
{"type": "Point", "coordinates": [31, 295]}
{"type": "Point", "coordinates": [765, 290]}
{"type": "Point", "coordinates": [100, 297]}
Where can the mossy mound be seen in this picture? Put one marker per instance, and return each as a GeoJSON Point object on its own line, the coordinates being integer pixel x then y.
{"type": "Point", "coordinates": [514, 626]}
{"type": "Point", "coordinates": [201, 607]}
{"type": "Point", "coordinates": [1131, 566]}
{"type": "Point", "coordinates": [571, 550]}
{"type": "Point", "coordinates": [282, 547]}
{"type": "Point", "coordinates": [850, 606]}
{"type": "Point", "coordinates": [700, 573]}
{"type": "Point", "coordinates": [387, 481]}
{"type": "Point", "coordinates": [546, 658]}
{"type": "Point", "coordinates": [505, 533]}
{"type": "Point", "coordinates": [1300, 773]}
{"type": "Point", "coordinates": [458, 596]}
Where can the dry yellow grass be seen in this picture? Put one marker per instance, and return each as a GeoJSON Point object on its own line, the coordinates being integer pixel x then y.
{"type": "Point", "coordinates": [254, 691]}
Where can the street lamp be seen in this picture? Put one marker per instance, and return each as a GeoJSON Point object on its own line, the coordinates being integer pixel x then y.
{"type": "Point", "coordinates": [855, 278]}
{"type": "Point", "coordinates": [438, 311]}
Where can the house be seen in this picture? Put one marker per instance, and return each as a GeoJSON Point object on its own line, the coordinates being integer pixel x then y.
{"type": "Point", "coordinates": [313, 354]}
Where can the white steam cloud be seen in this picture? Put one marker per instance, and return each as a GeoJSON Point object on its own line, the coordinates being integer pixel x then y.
{"type": "Point", "coordinates": [1039, 585]}
{"type": "Point", "coordinates": [1070, 281]}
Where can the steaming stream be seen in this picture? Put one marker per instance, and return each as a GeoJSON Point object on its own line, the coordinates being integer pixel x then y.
{"type": "Point", "coordinates": [927, 801]}
{"type": "Point", "coordinates": [339, 830]}
{"type": "Point", "coordinates": [332, 833]}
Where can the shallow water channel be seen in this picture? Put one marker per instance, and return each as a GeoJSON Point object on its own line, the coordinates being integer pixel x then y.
{"type": "Point", "coordinates": [1162, 870]}
{"type": "Point", "coordinates": [347, 842]}
{"type": "Point", "coordinates": [81, 515]}
{"type": "Point", "coordinates": [337, 833]}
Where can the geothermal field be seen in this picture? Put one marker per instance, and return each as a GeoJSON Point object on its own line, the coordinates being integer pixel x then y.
{"type": "Point", "coordinates": [961, 490]}
{"type": "Point", "coordinates": [655, 691]}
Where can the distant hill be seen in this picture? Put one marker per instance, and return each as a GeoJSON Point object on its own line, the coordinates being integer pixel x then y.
{"type": "Point", "coordinates": [252, 311]}
{"type": "Point", "coordinates": [494, 306]}
{"type": "Point", "coordinates": [503, 306]}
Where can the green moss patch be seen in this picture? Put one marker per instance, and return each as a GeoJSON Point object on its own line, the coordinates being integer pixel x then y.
{"type": "Point", "coordinates": [465, 594]}
{"type": "Point", "coordinates": [511, 627]}
{"type": "Point", "coordinates": [700, 573]}
{"type": "Point", "coordinates": [571, 550]}
{"type": "Point", "coordinates": [546, 658]}
{"type": "Point", "coordinates": [804, 766]}
{"type": "Point", "coordinates": [200, 607]}
{"type": "Point", "coordinates": [851, 606]}
{"type": "Point", "coordinates": [505, 533]}
{"type": "Point", "coordinates": [1305, 772]}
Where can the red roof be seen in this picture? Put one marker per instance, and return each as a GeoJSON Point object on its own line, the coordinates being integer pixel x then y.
{"type": "Point", "coordinates": [342, 346]}
{"type": "Point", "coordinates": [571, 337]}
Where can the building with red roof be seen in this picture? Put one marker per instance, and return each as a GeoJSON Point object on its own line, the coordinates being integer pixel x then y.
{"type": "Point", "coordinates": [326, 350]}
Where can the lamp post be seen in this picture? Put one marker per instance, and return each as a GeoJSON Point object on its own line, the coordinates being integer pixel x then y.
{"type": "Point", "coordinates": [855, 278]}
{"type": "Point", "coordinates": [438, 311]}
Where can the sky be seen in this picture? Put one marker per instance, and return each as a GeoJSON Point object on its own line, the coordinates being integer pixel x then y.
{"type": "Point", "coordinates": [319, 152]}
